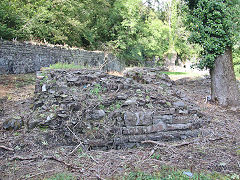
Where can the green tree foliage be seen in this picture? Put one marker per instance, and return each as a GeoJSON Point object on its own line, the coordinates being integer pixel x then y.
{"type": "Point", "coordinates": [178, 34]}
{"type": "Point", "coordinates": [213, 25]}
{"type": "Point", "coordinates": [140, 34]}
{"type": "Point", "coordinates": [10, 21]}
{"type": "Point", "coordinates": [73, 22]}
{"type": "Point", "coordinates": [136, 30]}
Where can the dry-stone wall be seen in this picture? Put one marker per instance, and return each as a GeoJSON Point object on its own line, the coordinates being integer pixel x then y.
{"type": "Point", "coordinates": [16, 57]}
{"type": "Point", "coordinates": [105, 111]}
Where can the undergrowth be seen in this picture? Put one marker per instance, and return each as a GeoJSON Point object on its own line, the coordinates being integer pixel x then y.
{"type": "Point", "coordinates": [167, 174]}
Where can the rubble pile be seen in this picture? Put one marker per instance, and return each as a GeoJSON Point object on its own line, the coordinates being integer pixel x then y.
{"type": "Point", "coordinates": [99, 110]}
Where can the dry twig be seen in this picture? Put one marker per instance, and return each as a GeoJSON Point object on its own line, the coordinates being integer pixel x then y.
{"type": "Point", "coordinates": [154, 142]}
{"type": "Point", "coordinates": [215, 139]}
{"type": "Point", "coordinates": [6, 148]}
{"type": "Point", "coordinates": [75, 149]}
{"type": "Point", "coordinates": [20, 158]}
{"type": "Point", "coordinates": [38, 174]}
{"type": "Point", "coordinates": [179, 144]}
{"type": "Point", "coordinates": [99, 178]}
{"type": "Point", "coordinates": [69, 166]}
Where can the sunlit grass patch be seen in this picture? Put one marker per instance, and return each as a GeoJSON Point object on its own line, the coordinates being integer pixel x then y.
{"type": "Point", "coordinates": [190, 74]}
{"type": "Point", "coordinates": [64, 66]}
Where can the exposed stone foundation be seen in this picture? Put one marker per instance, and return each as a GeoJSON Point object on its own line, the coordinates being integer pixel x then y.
{"type": "Point", "coordinates": [104, 111]}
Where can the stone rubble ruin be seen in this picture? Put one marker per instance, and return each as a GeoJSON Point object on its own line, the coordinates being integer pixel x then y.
{"type": "Point", "coordinates": [105, 111]}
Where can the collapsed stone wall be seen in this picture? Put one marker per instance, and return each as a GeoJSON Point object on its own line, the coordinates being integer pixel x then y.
{"type": "Point", "coordinates": [105, 111]}
{"type": "Point", "coordinates": [16, 57]}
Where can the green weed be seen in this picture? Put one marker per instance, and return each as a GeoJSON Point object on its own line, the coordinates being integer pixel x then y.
{"type": "Point", "coordinates": [118, 105]}
{"type": "Point", "coordinates": [149, 105]}
{"type": "Point", "coordinates": [101, 107]}
{"type": "Point", "coordinates": [168, 104]}
{"type": "Point", "coordinates": [156, 156]}
{"type": "Point", "coordinates": [43, 128]}
{"type": "Point", "coordinates": [44, 80]}
{"type": "Point", "coordinates": [115, 106]}
{"type": "Point", "coordinates": [96, 89]}
{"type": "Point", "coordinates": [45, 143]}
{"type": "Point", "coordinates": [16, 134]}
{"type": "Point", "coordinates": [238, 152]}
{"type": "Point", "coordinates": [148, 98]}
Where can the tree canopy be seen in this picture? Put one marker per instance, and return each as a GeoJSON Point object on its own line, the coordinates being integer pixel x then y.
{"type": "Point", "coordinates": [214, 25]}
{"type": "Point", "coordinates": [136, 30]}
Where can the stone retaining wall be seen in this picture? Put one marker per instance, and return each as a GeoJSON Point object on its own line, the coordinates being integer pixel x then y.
{"type": "Point", "coordinates": [21, 58]}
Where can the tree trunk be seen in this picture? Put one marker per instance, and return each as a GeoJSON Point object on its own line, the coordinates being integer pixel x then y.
{"type": "Point", "coordinates": [224, 89]}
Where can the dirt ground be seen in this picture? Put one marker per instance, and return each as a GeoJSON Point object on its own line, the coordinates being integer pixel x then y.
{"type": "Point", "coordinates": [217, 149]}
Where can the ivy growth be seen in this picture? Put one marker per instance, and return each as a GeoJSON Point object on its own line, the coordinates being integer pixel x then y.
{"type": "Point", "coordinates": [212, 25]}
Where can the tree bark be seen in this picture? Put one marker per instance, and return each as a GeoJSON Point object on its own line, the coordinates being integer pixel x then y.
{"type": "Point", "coordinates": [224, 89]}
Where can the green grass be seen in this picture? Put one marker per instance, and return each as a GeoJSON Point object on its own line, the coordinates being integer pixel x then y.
{"type": "Point", "coordinates": [18, 81]}
{"type": "Point", "coordinates": [237, 71]}
{"type": "Point", "coordinates": [62, 176]}
{"type": "Point", "coordinates": [185, 74]}
{"type": "Point", "coordinates": [166, 173]}
{"type": "Point", "coordinates": [238, 152]}
{"type": "Point", "coordinates": [64, 66]}
{"type": "Point", "coordinates": [24, 80]}
{"type": "Point", "coordinates": [175, 73]}
{"type": "Point", "coordinates": [190, 74]}
{"type": "Point", "coordinates": [171, 174]}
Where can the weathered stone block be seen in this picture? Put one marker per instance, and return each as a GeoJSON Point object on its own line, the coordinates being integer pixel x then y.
{"type": "Point", "coordinates": [181, 120]}
{"type": "Point", "coordinates": [138, 118]}
{"type": "Point", "coordinates": [173, 127]}
{"type": "Point", "coordinates": [157, 127]}
{"type": "Point", "coordinates": [130, 102]}
{"type": "Point", "coordinates": [138, 138]}
{"type": "Point", "coordinates": [132, 130]}
{"type": "Point", "coordinates": [14, 123]}
{"type": "Point", "coordinates": [96, 114]}
{"type": "Point", "coordinates": [164, 118]}
{"type": "Point", "coordinates": [144, 129]}
{"type": "Point", "coordinates": [179, 104]}
{"type": "Point", "coordinates": [183, 111]}
{"type": "Point", "coordinates": [72, 79]}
